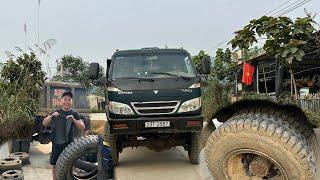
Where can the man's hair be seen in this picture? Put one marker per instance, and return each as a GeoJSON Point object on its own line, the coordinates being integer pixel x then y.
{"type": "Point", "coordinates": [67, 93]}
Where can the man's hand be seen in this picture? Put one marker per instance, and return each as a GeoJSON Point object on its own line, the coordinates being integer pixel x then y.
{"type": "Point", "coordinates": [48, 119]}
{"type": "Point", "coordinates": [71, 118]}
{"type": "Point", "coordinates": [55, 114]}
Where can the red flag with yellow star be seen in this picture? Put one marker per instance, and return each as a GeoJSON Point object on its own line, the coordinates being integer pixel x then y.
{"type": "Point", "coordinates": [248, 71]}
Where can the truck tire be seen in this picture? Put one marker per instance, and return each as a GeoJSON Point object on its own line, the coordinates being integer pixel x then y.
{"type": "Point", "coordinates": [12, 175]}
{"type": "Point", "coordinates": [72, 153]}
{"type": "Point", "coordinates": [113, 144]}
{"type": "Point", "coordinates": [253, 144]}
{"type": "Point", "coordinates": [10, 164]}
{"type": "Point", "coordinates": [194, 148]}
{"type": "Point", "coordinates": [24, 157]}
{"type": "Point", "coordinates": [206, 132]}
{"type": "Point", "coordinates": [293, 120]}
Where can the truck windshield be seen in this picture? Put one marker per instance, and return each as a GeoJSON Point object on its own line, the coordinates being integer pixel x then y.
{"type": "Point", "coordinates": [153, 66]}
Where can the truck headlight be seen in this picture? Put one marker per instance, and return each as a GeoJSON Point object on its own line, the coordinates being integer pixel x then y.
{"type": "Point", "coordinates": [120, 108]}
{"type": "Point", "coordinates": [196, 85]}
{"type": "Point", "coordinates": [191, 105]}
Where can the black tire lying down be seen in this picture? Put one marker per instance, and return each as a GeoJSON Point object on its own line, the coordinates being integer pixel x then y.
{"type": "Point", "coordinates": [252, 145]}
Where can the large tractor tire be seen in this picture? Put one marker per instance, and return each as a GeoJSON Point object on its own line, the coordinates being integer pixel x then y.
{"type": "Point", "coordinates": [194, 148]}
{"type": "Point", "coordinates": [294, 121]}
{"type": "Point", "coordinates": [255, 146]}
{"type": "Point", "coordinates": [112, 139]}
{"type": "Point", "coordinates": [70, 164]}
{"type": "Point", "coordinates": [208, 128]}
{"type": "Point", "coordinates": [291, 119]}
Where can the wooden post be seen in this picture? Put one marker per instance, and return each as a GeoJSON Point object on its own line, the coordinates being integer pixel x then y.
{"type": "Point", "coordinates": [278, 79]}
{"type": "Point", "coordinates": [265, 80]}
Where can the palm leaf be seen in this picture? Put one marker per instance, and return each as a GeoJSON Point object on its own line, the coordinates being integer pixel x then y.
{"type": "Point", "coordinates": [19, 49]}
{"type": "Point", "coordinates": [9, 54]}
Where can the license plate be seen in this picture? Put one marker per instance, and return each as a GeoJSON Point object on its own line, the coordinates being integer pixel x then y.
{"type": "Point", "coordinates": [157, 124]}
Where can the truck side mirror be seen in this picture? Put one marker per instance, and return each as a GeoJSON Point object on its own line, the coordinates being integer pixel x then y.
{"type": "Point", "coordinates": [94, 71]}
{"type": "Point", "coordinates": [108, 63]}
{"type": "Point", "coordinates": [206, 65]}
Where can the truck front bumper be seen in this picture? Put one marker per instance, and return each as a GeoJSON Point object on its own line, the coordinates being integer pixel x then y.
{"type": "Point", "coordinates": [137, 125]}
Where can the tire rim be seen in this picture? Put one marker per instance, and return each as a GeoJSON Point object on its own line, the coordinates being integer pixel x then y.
{"type": "Point", "coordinates": [80, 174]}
{"type": "Point", "coordinates": [235, 167]}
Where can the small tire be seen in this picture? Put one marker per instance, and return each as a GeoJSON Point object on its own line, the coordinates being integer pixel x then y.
{"type": "Point", "coordinates": [12, 175]}
{"type": "Point", "coordinates": [72, 153]}
{"type": "Point", "coordinates": [194, 148]}
{"type": "Point", "coordinates": [112, 139]}
{"type": "Point", "coordinates": [23, 156]}
{"type": "Point", "coordinates": [10, 164]}
{"type": "Point", "coordinates": [264, 136]}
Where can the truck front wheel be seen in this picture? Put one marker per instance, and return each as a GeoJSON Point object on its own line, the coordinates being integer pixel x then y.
{"type": "Point", "coordinates": [112, 139]}
{"type": "Point", "coordinates": [256, 146]}
{"type": "Point", "coordinates": [194, 148]}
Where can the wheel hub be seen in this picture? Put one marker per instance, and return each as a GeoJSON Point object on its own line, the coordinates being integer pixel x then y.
{"type": "Point", "coordinates": [259, 167]}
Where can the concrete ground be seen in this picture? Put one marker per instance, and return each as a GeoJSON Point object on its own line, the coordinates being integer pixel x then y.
{"type": "Point", "coordinates": [140, 163]}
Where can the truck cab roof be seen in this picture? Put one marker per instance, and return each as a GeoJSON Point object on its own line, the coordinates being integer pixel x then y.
{"type": "Point", "coordinates": [149, 51]}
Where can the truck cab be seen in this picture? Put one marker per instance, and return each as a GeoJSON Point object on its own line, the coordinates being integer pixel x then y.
{"type": "Point", "coordinates": [153, 99]}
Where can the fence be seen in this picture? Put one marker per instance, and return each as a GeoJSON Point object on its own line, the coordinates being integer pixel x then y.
{"type": "Point", "coordinates": [310, 102]}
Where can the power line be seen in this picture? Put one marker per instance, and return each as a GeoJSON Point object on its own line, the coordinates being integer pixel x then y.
{"type": "Point", "coordinates": [293, 8]}
{"type": "Point", "coordinates": [271, 11]}
{"type": "Point", "coordinates": [286, 7]}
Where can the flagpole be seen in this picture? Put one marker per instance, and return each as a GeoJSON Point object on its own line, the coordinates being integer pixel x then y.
{"type": "Point", "coordinates": [25, 37]}
{"type": "Point", "coordinates": [39, 21]}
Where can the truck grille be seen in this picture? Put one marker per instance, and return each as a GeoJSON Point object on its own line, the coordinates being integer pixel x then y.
{"type": "Point", "coordinates": [155, 107]}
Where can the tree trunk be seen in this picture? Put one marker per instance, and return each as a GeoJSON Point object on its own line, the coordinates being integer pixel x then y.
{"type": "Point", "coordinates": [293, 85]}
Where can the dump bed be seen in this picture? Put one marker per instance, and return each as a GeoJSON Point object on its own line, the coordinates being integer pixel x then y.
{"type": "Point", "coordinates": [50, 95]}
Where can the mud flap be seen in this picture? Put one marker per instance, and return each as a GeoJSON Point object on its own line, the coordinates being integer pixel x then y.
{"type": "Point", "coordinates": [106, 165]}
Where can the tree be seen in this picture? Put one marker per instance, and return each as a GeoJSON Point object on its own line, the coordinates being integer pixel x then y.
{"type": "Point", "coordinates": [23, 74]}
{"type": "Point", "coordinates": [20, 84]}
{"type": "Point", "coordinates": [218, 64]}
{"type": "Point", "coordinates": [197, 60]}
{"type": "Point", "coordinates": [285, 38]}
{"type": "Point", "coordinates": [75, 69]}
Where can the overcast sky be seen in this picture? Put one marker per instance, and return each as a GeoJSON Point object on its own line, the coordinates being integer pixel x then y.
{"type": "Point", "coordinates": [94, 29]}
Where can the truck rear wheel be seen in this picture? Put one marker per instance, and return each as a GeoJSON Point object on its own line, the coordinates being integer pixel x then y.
{"type": "Point", "coordinates": [256, 146]}
{"type": "Point", "coordinates": [194, 148]}
{"type": "Point", "coordinates": [112, 139]}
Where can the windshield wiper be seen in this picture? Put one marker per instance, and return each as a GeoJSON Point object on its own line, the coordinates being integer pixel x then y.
{"type": "Point", "coordinates": [138, 78]}
{"type": "Point", "coordinates": [172, 74]}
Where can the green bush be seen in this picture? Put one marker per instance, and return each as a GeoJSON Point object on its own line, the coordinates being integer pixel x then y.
{"type": "Point", "coordinates": [20, 84]}
{"type": "Point", "coordinates": [215, 95]}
